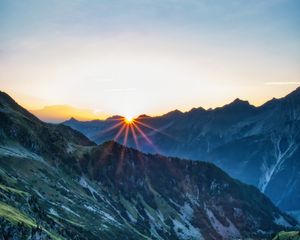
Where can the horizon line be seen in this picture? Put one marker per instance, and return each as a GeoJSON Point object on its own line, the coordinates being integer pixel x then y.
{"type": "Point", "coordinates": [33, 111]}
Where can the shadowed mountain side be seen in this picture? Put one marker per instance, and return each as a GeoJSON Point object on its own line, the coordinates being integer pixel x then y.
{"type": "Point", "coordinates": [257, 145]}
{"type": "Point", "coordinates": [54, 182]}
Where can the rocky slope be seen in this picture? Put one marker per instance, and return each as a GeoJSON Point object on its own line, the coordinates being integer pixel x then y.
{"type": "Point", "coordinates": [257, 145]}
{"type": "Point", "coordinates": [56, 184]}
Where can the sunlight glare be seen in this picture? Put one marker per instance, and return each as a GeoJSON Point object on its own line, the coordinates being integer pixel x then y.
{"type": "Point", "coordinates": [128, 120]}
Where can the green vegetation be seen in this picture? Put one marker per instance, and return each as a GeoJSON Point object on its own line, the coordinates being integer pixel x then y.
{"type": "Point", "coordinates": [63, 187]}
{"type": "Point", "coordinates": [15, 216]}
{"type": "Point", "coordinates": [293, 235]}
{"type": "Point", "coordinates": [12, 190]}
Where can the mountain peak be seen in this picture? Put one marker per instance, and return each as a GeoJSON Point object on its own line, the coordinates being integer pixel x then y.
{"type": "Point", "coordinates": [90, 180]}
{"type": "Point", "coordinates": [173, 113]}
{"type": "Point", "coordinates": [295, 94]}
{"type": "Point", "coordinates": [7, 102]}
{"type": "Point", "coordinates": [199, 109]}
{"type": "Point", "coordinates": [72, 119]}
{"type": "Point", "coordinates": [237, 105]}
{"type": "Point", "coordinates": [240, 101]}
{"type": "Point", "coordinates": [143, 116]}
{"type": "Point", "coordinates": [114, 117]}
{"type": "Point", "coordinates": [5, 99]}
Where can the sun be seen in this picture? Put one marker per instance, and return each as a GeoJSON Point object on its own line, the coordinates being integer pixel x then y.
{"type": "Point", "coordinates": [128, 120]}
{"type": "Point", "coordinates": [130, 127]}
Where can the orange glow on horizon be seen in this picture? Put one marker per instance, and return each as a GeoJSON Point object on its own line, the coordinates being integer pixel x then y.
{"type": "Point", "coordinates": [54, 111]}
{"type": "Point", "coordinates": [59, 113]}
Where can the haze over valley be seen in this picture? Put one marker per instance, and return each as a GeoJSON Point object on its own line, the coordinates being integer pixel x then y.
{"type": "Point", "coordinates": [150, 120]}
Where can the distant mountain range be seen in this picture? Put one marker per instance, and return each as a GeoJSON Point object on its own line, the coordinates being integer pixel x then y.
{"type": "Point", "coordinates": [257, 145]}
{"type": "Point", "coordinates": [59, 113]}
{"type": "Point", "coordinates": [57, 184]}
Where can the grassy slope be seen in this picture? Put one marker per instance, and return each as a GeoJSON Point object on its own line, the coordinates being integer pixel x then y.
{"type": "Point", "coordinates": [293, 235]}
{"type": "Point", "coordinates": [63, 203]}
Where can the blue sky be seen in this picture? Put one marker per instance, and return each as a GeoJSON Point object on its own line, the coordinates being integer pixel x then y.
{"type": "Point", "coordinates": [142, 56]}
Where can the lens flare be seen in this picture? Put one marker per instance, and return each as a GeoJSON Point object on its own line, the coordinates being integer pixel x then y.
{"type": "Point", "coordinates": [128, 128]}
{"type": "Point", "coordinates": [128, 120]}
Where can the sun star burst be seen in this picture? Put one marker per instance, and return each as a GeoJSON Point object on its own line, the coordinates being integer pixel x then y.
{"type": "Point", "coordinates": [128, 120]}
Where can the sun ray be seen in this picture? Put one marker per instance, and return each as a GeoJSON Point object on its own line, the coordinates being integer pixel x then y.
{"type": "Point", "coordinates": [134, 136]}
{"type": "Point", "coordinates": [111, 128]}
{"type": "Point", "coordinates": [126, 135]}
{"type": "Point", "coordinates": [145, 137]}
{"type": "Point", "coordinates": [119, 132]}
{"type": "Point", "coordinates": [154, 129]}
{"type": "Point", "coordinates": [128, 120]}
{"type": "Point", "coordinates": [127, 126]}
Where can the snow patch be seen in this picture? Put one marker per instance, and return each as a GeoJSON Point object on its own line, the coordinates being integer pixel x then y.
{"type": "Point", "coordinates": [92, 209]}
{"type": "Point", "coordinates": [69, 200]}
{"type": "Point", "coordinates": [39, 194]}
{"type": "Point", "coordinates": [70, 148]}
{"type": "Point", "coordinates": [149, 215]}
{"type": "Point", "coordinates": [186, 212]}
{"type": "Point", "coordinates": [132, 219]}
{"type": "Point", "coordinates": [194, 198]}
{"type": "Point", "coordinates": [230, 232]}
{"type": "Point", "coordinates": [63, 187]}
{"type": "Point", "coordinates": [105, 215]}
{"type": "Point", "coordinates": [84, 184]}
{"type": "Point", "coordinates": [184, 231]}
{"type": "Point", "coordinates": [161, 216]}
{"type": "Point", "coordinates": [183, 227]}
{"type": "Point", "coordinates": [20, 152]}
{"type": "Point", "coordinates": [269, 170]}
{"type": "Point", "coordinates": [153, 231]}
{"type": "Point", "coordinates": [176, 204]}
{"type": "Point", "coordinates": [108, 217]}
{"type": "Point", "coordinates": [69, 210]}
{"type": "Point", "coordinates": [53, 212]}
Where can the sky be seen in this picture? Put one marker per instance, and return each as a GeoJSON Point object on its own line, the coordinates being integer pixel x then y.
{"type": "Point", "coordinates": [130, 57]}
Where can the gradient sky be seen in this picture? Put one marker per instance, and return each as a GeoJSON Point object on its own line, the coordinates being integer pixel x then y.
{"type": "Point", "coordinates": [148, 56]}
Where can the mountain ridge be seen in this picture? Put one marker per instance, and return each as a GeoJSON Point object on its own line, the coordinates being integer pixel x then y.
{"type": "Point", "coordinates": [258, 145]}
{"type": "Point", "coordinates": [121, 190]}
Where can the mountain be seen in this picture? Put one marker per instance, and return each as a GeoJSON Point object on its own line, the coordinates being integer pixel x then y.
{"type": "Point", "coordinates": [58, 113]}
{"type": "Point", "coordinates": [57, 184]}
{"type": "Point", "coordinates": [257, 145]}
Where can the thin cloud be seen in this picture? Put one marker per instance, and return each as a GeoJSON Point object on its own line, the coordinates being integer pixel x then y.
{"type": "Point", "coordinates": [282, 83]}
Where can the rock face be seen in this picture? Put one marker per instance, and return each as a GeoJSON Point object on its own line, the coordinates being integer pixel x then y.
{"type": "Point", "coordinates": [55, 183]}
{"type": "Point", "coordinates": [257, 145]}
